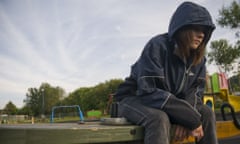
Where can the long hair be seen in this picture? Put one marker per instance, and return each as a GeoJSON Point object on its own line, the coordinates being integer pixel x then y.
{"type": "Point", "coordinates": [183, 38]}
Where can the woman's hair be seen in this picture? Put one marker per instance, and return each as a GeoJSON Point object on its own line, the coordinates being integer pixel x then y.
{"type": "Point", "coordinates": [183, 38]}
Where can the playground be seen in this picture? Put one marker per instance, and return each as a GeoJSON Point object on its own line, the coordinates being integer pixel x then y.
{"type": "Point", "coordinates": [94, 127]}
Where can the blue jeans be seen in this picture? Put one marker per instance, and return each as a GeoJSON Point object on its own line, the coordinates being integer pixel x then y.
{"type": "Point", "coordinates": [157, 124]}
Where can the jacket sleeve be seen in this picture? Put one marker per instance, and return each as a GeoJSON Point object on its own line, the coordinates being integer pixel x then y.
{"type": "Point", "coordinates": [149, 74]}
{"type": "Point", "coordinates": [190, 104]}
{"type": "Point", "coordinates": [126, 89]}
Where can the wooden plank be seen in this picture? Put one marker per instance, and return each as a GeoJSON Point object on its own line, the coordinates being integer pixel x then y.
{"type": "Point", "coordinates": [74, 133]}
{"type": "Point", "coordinates": [226, 129]}
{"type": "Point", "coordinates": [68, 133]}
{"type": "Point", "coordinates": [12, 136]}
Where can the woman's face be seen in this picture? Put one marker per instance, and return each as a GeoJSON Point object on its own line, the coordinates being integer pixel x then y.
{"type": "Point", "coordinates": [197, 36]}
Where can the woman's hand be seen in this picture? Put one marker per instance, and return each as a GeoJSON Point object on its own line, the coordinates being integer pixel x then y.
{"type": "Point", "coordinates": [198, 133]}
{"type": "Point", "coordinates": [181, 133]}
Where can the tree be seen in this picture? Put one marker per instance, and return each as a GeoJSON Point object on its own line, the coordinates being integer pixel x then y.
{"type": "Point", "coordinates": [235, 83]}
{"type": "Point", "coordinates": [50, 96]}
{"type": "Point", "coordinates": [25, 111]}
{"type": "Point", "coordinates": [230, 17]}
{"type": "Point", "coordinates": [41, 100]}
{"type": "Point", "coordinates": [224, 54]}
{"type": "Point", "coordinates": [33, 97]}
{"type": "Point", "coordinates": [93, 97]}
{"type": "Point", "coordinates": [10, 108]}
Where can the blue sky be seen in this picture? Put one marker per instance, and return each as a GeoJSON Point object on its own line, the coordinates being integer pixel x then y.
{"type": "Point", "coordinates": [78, 43]}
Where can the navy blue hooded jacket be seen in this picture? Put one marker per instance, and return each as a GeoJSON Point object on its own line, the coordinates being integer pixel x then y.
{"type": "Point", "coordinates": [162, 80]}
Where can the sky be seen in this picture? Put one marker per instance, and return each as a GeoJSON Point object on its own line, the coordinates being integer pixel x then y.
{"type": "Point", "coordinates": [79, 43]}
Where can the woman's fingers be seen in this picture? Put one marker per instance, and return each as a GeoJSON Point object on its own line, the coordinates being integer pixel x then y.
{"type": "Point", "coordinates": [198, 133]}
{"type": "Point", "coordinates": [181, 133]}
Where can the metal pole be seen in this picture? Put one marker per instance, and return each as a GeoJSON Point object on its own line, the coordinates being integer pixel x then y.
{"type": "Point", "coordinates": [43, 116]}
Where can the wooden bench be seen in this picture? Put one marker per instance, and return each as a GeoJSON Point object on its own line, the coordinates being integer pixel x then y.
{"type": "Point", "coordinates": [68, 133]}
{"type": "Point", "coordinates": [71, 133]}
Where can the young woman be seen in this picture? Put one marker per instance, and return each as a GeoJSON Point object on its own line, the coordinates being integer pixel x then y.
{"type": "Point", "coordinates": [166, 83]}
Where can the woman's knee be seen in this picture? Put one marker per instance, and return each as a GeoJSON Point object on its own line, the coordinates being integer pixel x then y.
{"type": "Point", "coordinates": [158, 117]}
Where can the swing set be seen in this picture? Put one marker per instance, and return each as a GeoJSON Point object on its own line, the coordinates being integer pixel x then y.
{"type": "Point", "coordinates": [70, 106]}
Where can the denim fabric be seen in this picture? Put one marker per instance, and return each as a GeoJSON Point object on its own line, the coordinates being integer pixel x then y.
{"type": "Point", "coordinates": [157, 125]}
{"type": "Point", "coordinates": [155, 122]}
{"type": "Point", "coordinates": [209, 126]}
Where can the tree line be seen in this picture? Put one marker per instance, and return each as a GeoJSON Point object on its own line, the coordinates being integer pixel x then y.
{"type": "Point", "coordinates": [40, 100]}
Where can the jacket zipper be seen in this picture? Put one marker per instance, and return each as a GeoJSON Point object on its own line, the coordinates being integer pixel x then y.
{"type": "Point", "coordinates": [195, 101]}
{"type": "Point", "coordinates": [185, 76]}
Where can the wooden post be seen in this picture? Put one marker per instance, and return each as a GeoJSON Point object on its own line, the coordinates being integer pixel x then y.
{"type": "Point", "coordinates": [32, 119]}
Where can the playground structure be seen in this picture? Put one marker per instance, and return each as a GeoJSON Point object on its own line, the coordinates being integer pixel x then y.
{"type": "Point", "coordinates": [217, 88]}
{"type": "Point", "coordinates": [218, 92]}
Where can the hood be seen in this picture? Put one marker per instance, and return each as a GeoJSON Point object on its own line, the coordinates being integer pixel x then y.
{"type": "Point", "coordinates": [189, 13]}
